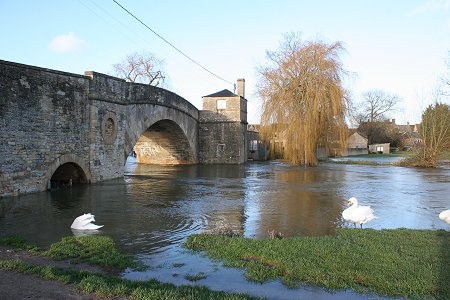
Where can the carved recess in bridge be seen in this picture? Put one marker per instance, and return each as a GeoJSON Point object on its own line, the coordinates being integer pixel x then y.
{"type": "Point", "coordinates": [109, 128]}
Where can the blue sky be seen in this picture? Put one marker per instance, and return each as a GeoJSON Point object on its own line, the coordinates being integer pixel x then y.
{"type": "Point", "coordinates": [397, 46]}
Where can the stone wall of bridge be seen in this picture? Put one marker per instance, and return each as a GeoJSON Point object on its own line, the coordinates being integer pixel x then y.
{"type": "Point", "coordinates": [44, 121]}
{"type": "Point", "coordinates": [89, 122]}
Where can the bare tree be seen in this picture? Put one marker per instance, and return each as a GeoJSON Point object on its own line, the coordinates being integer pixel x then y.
{"type": "Point", "coordinates": [381, 132]}
{"type": "Point", "coordinates": [376, 104]}
{"type": "Point", "coordinates": [445, 80]}
{"type": "Point", "coordinates": [141, 67]}
{"type": "Point", "coordinates": [303, 99]}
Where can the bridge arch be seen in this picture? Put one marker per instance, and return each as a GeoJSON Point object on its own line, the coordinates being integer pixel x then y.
{"type": "Point", "coordinates": [67, 168]}
{"type": "Point", "coordinates": [164, 142]}
{"type": "Point", "coordinates": [161, 135]}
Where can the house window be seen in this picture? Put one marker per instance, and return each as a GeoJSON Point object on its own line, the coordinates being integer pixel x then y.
{"type": "Point", "coordinates": [221, 104]}
{"type": "Point", "coordinates": [380, 149]}
{"type": "Point", "coordinates": [220, 147]}
{"type": "Point", "coordinates": [253, 145]}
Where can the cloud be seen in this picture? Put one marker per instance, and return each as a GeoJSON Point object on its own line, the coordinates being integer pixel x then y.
{"type": "Point", "coordinates": [66, 43]}
{"type": "Point", "coordinates": [430, 6]}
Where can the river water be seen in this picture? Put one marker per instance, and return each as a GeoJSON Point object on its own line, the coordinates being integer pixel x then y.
{"type": "Point", "coordinates": [152, 210]}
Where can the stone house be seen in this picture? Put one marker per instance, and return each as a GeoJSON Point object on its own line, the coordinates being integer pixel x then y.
{"type": "Point", "coordinates": [223, 127]}
{"type": "Point", "coordinates": [380, 148]}
{"type": "Point", "coordinates": [357, 144]}
{"type": "Point", "coordinates": [257, 149]}
{"type": "Point", "coordinates": [409, 134]}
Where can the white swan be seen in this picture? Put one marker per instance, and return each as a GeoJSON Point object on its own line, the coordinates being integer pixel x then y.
{"type": "Point", "coordinates": [84, 222]}
{"type": "Point", "coordinates": [445, 216]}
{"type": "Point", "coordinates": [357, 214]}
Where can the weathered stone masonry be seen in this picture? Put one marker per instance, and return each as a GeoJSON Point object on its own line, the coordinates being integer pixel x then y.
{"type": "Point", "coordinates": [223, 127]}
{"type": "Point", "coordinates": [50, 118]}
{"type": "Point", "coordinates": [43, 123]}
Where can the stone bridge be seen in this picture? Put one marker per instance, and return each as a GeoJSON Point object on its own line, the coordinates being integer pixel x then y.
{"type": "Point", "coordinates": [62, 128]}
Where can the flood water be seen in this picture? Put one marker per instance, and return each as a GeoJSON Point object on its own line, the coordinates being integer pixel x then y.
{"type": "Point", "coordinates": [152, 210]}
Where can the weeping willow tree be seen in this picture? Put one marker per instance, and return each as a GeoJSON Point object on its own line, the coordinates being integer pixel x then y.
{"type": "Point", "coordinates": [303, 101]}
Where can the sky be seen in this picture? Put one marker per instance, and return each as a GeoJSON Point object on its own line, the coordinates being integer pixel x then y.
{"type": "Point", "coordinates": [397, 46]}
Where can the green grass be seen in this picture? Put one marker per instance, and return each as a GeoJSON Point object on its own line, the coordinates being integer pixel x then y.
{"type": "Point", "coordinates": [113, 287]}
{"type": "Point", "coordinates": [400, 262]}
{"type": "Point", "coordinates": [95, 250]}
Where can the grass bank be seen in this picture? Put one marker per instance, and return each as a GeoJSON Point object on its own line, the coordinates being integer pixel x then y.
{"type": "Point", "coordinates": [96, 250]}
{"type": "Point", "coordinates": [393, 154]}
{"type": "Point", "coordinates": [101, 251]}
{"type": "Point", "coordinates": [400, 262]}
{"type": "Point", "coordinates": [362, 161]}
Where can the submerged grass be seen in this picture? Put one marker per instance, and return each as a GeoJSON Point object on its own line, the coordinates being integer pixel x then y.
{"type": "Point", "coordinates": [399, 262]}
{"type": "Point", "coordinates": [18, 242]}
{"type": "Point", "coordinates": [113, 287]}
{"type": "Point", "coordinates": [195, 277]}
{"type": "Point", "coordinates": [101, 251]}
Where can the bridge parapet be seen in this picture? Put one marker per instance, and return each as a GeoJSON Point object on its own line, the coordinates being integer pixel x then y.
{"type": "Point", "coordinates": [115, 90]}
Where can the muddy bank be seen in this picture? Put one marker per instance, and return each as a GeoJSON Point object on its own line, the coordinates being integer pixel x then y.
{"type": "Point", "coordinates": [26, 286]}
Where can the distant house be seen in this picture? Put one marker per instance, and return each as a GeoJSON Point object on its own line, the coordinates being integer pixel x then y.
{"type": "Point", "coordinates": [409, 134]}
{"type": "Point", "coordinates": [380, 148]}
{"type": "Point", "coordinates": [357, 144]}
{"type": "Point", "coordinates": [256, 148]}
{"type": "Point", "coordinates": [410, 139]}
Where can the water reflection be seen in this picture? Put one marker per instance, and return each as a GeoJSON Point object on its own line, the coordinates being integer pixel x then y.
{"type": "Point", "coordinates": [153, 209]}
{"type": "Point", "coordinates": [295, 201]}
{"type": "Point", "coordinates": [155, 206]}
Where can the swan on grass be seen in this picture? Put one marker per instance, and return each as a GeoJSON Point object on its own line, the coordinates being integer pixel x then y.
{"type": "Point", "coordinates": [85, 222]}
{"type": "Point", "coordinates": [445, 216]}
{"type": "Point", "coordinates": [357, 214]}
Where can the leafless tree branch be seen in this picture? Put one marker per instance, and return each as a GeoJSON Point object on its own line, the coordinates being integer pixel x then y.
{"type": "Point", "coordinates": [141, 67]}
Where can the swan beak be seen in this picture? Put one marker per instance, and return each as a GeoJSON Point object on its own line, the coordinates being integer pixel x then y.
{"type": "Point", "coordinates": [349, 203]}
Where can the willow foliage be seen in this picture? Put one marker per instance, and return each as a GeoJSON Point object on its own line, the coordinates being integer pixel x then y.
{"type": "Point", "coordinates": [303, 101]}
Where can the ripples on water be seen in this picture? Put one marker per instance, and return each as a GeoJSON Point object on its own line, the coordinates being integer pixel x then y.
{"type": "Point", "coordinates": [151, 211]}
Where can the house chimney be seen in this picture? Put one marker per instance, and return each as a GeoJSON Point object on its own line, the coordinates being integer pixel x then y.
{"type": "Point", "coordinates": [393, 121]}
{"type": "Point", "coordinates": [241, 87]}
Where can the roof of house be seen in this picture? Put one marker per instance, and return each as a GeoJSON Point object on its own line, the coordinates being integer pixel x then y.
{"type": "Point", "coordinates": [352, 131]}
{"type": "Point", "coordinates": [408, 135]}
{"type": "Point", "coordinates": [223, 93]}
{"type": "Point", "coordinates": [253, 127]}
{"type": "Point", "coordinates": [405, 128]}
